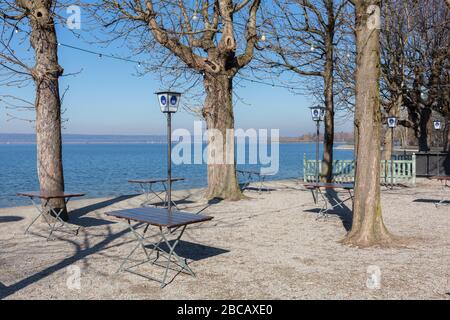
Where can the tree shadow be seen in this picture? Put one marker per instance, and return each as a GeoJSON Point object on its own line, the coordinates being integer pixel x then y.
{"type": "Point", "coordinates": [79, 254]}
{"type": "Point", "coordinates": [77, 216]}
{"type": "Point", "coordinates": [177, 202]}
{"type": "Point", "coordinates": [5, 219]}
{"type": "Point", "coordinates": [256, 189]}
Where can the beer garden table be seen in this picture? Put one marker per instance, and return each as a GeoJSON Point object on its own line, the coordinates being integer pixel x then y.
{"type": "Point", "coordinates": [167, 223]}
{"type": "Point", "coordinates": [147, 189]}
{"type": "Point", "coordinates": [40, 202]}
{"type": "Point", "coordinates": [445, 187]}
{"type": "Point", "coordinates": [334, 201]}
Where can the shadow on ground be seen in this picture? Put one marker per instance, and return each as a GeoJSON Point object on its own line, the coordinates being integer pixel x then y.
{"type": "Point", "coordinates": [194, 251]}
{"type": "Point", "coordinates": [5, 219]}
{"type": "Point", "coordinates": [344, 213]}
{"type": "Point", "coordinates": [77, 216]}
{"type": "Point", "coordinates": [256, 189]}
{"type": "Point", "coordinates": [434, 201]}
{"type": "Point", "coordinates": [184, 249]}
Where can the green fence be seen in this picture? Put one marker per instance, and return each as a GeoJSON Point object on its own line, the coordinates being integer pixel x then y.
{"type": "Point", "coordinates": [344, 170]}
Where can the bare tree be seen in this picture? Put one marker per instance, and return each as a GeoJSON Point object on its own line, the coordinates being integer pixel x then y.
{"type": "Point", "coordinates": [368, 228]}
{"type": "Point", "coordinates": [303, 36]}
{"type": "Point", "coordinates": [214, 39]}
{"type": "Point", "coordinates": [415, 64]}
{"type": "Point", "coordinates": [34, 20]}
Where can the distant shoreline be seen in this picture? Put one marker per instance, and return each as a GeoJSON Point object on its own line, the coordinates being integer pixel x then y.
{"type": "Point", "coordinates": [81, 139]}
{"type": "Point", "coordinates": [340, 147]}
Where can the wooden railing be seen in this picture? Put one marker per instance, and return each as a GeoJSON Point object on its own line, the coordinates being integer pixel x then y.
{"type": "Point", "coordinates": [344, 170]}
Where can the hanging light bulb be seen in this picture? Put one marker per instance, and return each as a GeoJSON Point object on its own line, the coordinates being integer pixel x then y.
{"type": "Point", "coordinates": [195, 17]}
{"type": "Point", "coordinates": [312, 47]}
{"type": "Point", "coordinates": [263, 37]}
{"type": "Point", "coordinates": [17, 30]}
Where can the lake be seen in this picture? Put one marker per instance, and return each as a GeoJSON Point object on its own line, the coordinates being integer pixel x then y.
{"type": "Point", "coordinates": [102, 170]}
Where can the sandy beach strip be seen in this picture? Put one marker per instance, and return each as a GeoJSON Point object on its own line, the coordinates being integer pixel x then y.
{"type": "Point", "coordinates": [268, 246]}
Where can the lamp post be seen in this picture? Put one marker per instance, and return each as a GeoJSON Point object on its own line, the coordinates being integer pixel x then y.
{"type": "Point", "coordinates": [392, 123]}
{"type": "Point", "coordinates": [317, 115]}
{"type": "Point", "coordinates": [438, 126]}
{"type": "Point", "coordinates": [169, 102]}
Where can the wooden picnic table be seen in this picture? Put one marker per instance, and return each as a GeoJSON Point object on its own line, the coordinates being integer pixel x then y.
{"type": "Point", "coordinates": [42, 206]}
{"type": "Point", "coordinates": [168, 223]}
{"type": "Point", "coordinates": [147, 189]}
{"type": "Point", "coordinates": [318, 186]}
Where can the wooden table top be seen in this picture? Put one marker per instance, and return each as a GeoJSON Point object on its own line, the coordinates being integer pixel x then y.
{"type": "Point", "coordinates": [49, 195]}
{"type": "Point", "coordinates": [346, 186]}
{"type": "Point", "coordinates": [159, 216]}
{"type": "Point", "coordinates": [441, 178]}
{"type": "Point", "coordinates": [156, 180]}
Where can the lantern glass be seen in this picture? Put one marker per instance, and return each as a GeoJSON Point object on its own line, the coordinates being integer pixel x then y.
{"type": "Point", "coordinates": [437, 125]}
{"type": "Point", "coordinates": [169, 101]}
{"type": "Point", "coordinates": [318, 113]}
{"type": "Point", "coordinates": [392, 122]}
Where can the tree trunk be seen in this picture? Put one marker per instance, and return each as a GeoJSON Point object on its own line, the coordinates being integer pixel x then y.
{"type": "Point", "coordinates": [368, 228]}
{"type": "Point", "coordinates": [424, 129]}
{"type": "Point", "coordinates": [327, 163]}
{"type": "Point", "coordinates": [218, 113]}
{"type": "Point", "coordinates": [48, 104]}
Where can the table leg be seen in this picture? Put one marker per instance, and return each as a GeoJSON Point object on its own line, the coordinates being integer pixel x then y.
{"type": "Point", "coordinates": [166, 200]}
{"type": "Point", "coordinates": [170, 255]}
{"type": "Point", "coordinates": [445, 187]}
{"type": "Point", "coordinates": [41, 213]}
{"type": "Point", "coordinates": [323, 211]}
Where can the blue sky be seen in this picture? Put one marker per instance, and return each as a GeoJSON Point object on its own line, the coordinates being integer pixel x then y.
{"type": "Point", "coordinates": [108, 98]}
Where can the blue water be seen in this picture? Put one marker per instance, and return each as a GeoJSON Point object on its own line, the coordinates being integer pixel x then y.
{"type": "Point", "coordinates": [102, 170]}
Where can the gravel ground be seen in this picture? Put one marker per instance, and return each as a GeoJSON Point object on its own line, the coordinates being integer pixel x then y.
{"type": "Point", "coordinates": [269, 246]}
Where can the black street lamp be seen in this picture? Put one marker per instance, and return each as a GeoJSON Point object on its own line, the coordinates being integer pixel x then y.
{"type": "Point", "coordinates": [392, 123]}
{"type": "Point", "coordinates": [169, 102]}
{"type": "Point", "coordinates": [317, 115]}
{"type": "Point", "coordinates": [438, 127]}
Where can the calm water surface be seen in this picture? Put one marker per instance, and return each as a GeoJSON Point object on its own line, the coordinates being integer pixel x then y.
{"type": "Point", "coordinates": [102, 170]}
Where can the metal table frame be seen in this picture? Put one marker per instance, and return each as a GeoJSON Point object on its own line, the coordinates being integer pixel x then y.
{"type": "Point", "coordinates": [445, 187]}
{"type": "Point", "coordinates": [171, 257]}
{"type": "Point", "coordinates": [171, 260]}
{"type": "Point", "coordinates": [146, 187]}
{"type": "Point", "coordinates": [323, 212]}
{"type": "Point", "coordinates": [250, 178]}
{"type": "Point", "coordinates": [57, 225]}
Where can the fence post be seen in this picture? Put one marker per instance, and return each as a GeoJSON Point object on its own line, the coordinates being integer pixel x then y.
{"type": "Point", "coordinates": [413, 168]}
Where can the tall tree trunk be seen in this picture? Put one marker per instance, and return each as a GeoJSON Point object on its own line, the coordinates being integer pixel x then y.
{"type": "Point", "coordinates": [368, 228]}
{"type": "Point", "coordinates": [48, 104]}
{"type": "Point", "coordinates": [424, 129]}
{"type": "Point", "coordinates": [218, 113]}
{"type": "Point", "coordinates": [327, 163]}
